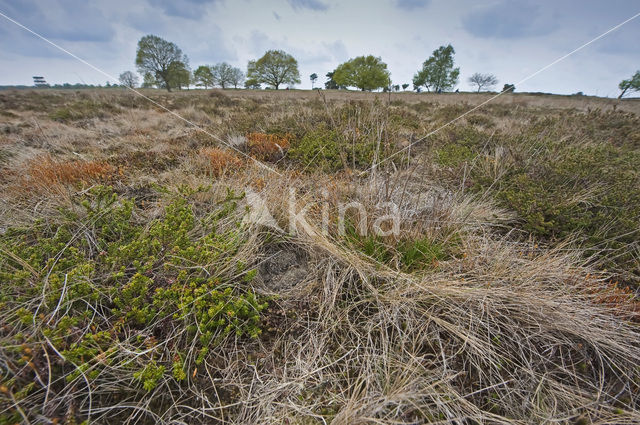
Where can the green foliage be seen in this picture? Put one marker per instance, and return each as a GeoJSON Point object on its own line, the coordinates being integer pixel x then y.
{"type": "Point", "coordinates": [109, 277]}
{"type": "Point", "coordinates": [150, 375]}
{"type": "Point", "coordinates": [179, 74]}
{"type": "Point", "coordinates": [274, 68]}
{"type": "Point", "coordinates": [155, 56]}
{"type": "Point", "coordinates": [438, 72]}
{"type": "Point", "coordinates": [331, 84]}
{"type": "Point", "coordinates": [408, 254]}
{"type": "Point", "coordinates": [630, 85]}
{"type": "Point", "coordinates": [363, 72]}
{"type": "Point", "coordinates": [203, 77]}
{"type": "Point", "coordinates": [327, 150]}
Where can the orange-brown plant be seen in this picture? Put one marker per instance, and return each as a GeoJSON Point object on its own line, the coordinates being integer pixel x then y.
{"type": "Point", "coordinates": [219, 160]}
{"type": "Point", "coordinates": [268, 147]}
{"type": "Point", "coordinates": [46, 171]}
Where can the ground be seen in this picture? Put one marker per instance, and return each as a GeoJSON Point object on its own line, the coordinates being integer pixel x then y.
{"type": "Point", "coordinates": [448, 264]}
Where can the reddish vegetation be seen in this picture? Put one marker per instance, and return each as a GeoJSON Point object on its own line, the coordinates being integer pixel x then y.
{"type": "Point", "coordinates": [220, 160]}
{"type": "Point", "coordinates": [46, 171]}
{"type": "Point", "coordinates": [267, 146]}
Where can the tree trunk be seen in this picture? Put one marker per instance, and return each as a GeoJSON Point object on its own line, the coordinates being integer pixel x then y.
{"type": "Point", "coordinates": [622, 94]}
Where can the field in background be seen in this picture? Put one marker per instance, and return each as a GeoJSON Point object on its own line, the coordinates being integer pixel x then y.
{"type": "Point", "coordinates": [137, 284]}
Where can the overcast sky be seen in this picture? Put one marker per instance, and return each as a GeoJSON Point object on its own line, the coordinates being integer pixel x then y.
{"type": "Point", "coordinates": [509, 38]}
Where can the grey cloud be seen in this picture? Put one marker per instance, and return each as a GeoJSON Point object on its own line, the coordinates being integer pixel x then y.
{"type": "Point", "coordinates": [411, 4]}
{"type": "Point", "coordinates": [510, 19]}
{"type": "Point", "coordinates": [61, 20]}
{"type": "Point", "coordinates": [308, 4]}
{"type": "Point", "coordinates": [189, 9]}
{"type": "Point", "coordinates": [275, 15]}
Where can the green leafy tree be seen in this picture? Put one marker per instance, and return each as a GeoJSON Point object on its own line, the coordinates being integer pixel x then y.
{"type": "Point", "coordinates": [404, 86]}
{"type": "Point", "coordinates": [276, 67]}
{"type": "Point", "coordinates": [509, 88]}
{"type": "Point", "coordinates": [363, 72]}
{"type": "Point", "coordinates": [313, 77]}
{"type": "Point", "coordinates": [149, 81]}
{"type": "Point", "coordinates": [438, 72]}
{"type": "Point", "coordinates": [128, 79]}
{"type": "Point", "coordinates": [203, 77]}
{"type": "Point", "coordinates": [631, 85]}
{"type": "Point", "coordinates": [179, 75]}
{"type": "Point", "coordinates": [252, 84]}
{"type": "Point", "coordinates": [483, 80]}
{"type": "Point", "coordinates": [155, 55]}
{"type": "Point", "coordinates": [331, 84]}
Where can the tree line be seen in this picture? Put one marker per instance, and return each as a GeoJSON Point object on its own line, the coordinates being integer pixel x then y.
{"type": "Point", "coordinates": [163, 65]}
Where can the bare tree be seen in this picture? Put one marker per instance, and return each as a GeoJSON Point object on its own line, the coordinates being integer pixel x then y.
{"type": "Point", "coordinates": [483, 80]}
{"type": "Point", "coordinates": [129, 79]}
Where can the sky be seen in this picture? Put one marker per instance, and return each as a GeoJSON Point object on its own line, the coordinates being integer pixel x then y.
{"type": "Point", "coordinates": [511, 39]}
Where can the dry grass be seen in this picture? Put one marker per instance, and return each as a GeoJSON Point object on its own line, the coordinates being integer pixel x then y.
{"type": "Point", "coordinates": [503, 330]}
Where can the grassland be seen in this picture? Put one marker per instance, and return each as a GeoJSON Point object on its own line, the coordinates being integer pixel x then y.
{"type": "Point", "coordinates": [137, 286]}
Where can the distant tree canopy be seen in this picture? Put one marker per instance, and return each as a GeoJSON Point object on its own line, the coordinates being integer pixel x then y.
{"type": "Point", "coordinates": [483, 81]}
{"type": "Point", "coordinates": [129, 79]}
{"type": "Point", "coordinates": [331, 84]}
{"type": "Point", "coordinates": [159, 57]}
{"type": "Point", "coordinates": [252, 84]}
{"type": "Point", "coordinates": [363, 72]}
{"type": "Point", "coordinates": [276, 67]}
{"type": "Point", "coordinates": [313, 77]}
{"type": "Point", "coordinates": [203, 77]}
{"type": "Point", "coordinates": [404, 86]}
{"type": "Point", "coordinates": [509, 88]}
{"type": "Point", "coordinates": [148, 80]}
{"type": "Point", "coordinates": [236, 77]}
{"type": "Point", "coordinates": [631, 85]}
{"type": "Point", "coordinates": [438, 72]}
{"type": "Point", "coordinates": [179, 75]}
{"type": "Point", "coordinates": [222, 74]}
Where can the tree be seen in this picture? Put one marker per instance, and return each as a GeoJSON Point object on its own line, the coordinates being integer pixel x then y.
{"type": "Point", "coordinates": [508, 88]}
{"type": "Point", "coordinates": [437, 72]}
{"type": "Point", "coordinates": [252, 83]}
{"type": "Point", "coordinates": [404, 86]}
{"type": "Point", "coordinates": [274, 68]}
{"type": "Point", "coordinates": [363, 72]}
{"type": "Point", "coordinates": [631, 85]}
{"type": "Point", "coordinates": [129, 79]}
{"type": "Point", "coordinates": [313, 77]}
{"type": "Point", "coordinates": [222, 74]}
{"type": "Point", "coordinates": [149, 81]}
{"type": "Point", "coordinates": [331, 84]}
{"type": "Point", "coordinates": [237, 77]}
{"type": "Point", "coordinates": [203, 77]}
{"type": "Point", "coordinates": [483, 80]}
{"type": "Point", "coordinates": [155, 55]}
{"type": "Point", "coordinates": [179, 75]}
